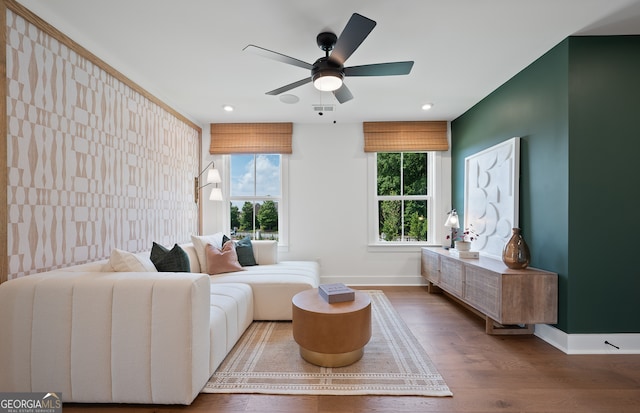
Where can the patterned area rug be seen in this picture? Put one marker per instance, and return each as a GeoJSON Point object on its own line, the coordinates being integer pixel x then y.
{"type": "Point", "coordinates": [266, 360]}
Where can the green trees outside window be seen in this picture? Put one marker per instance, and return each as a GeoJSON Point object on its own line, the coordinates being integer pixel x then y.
{"type": "Point", "coordinates": [402, 195]}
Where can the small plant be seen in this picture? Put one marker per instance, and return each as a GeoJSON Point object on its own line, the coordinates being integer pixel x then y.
{"type": "Point", "coordinates": [468, 234]}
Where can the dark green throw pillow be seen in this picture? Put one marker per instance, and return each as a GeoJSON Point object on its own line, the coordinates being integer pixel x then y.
{"type": "Point", "coordinates": [244, 249]}
{"type": "Point", "coordinates": [173, 260]}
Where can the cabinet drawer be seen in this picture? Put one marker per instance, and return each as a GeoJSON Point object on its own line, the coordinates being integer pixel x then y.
{"type": "Point", "coordinates": [430, 266]}
{"type": "Point", "coordinates": [482, 291]}
{"type": "Point", "coordinates": [452, 276]}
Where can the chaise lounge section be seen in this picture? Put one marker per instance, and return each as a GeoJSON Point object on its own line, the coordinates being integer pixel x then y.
{"type": "Point", "coordinates": [137, 337]}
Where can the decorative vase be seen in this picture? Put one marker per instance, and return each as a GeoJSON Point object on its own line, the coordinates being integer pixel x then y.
{"type": "Point", "coordinates": [463, 245]}
{"type": "Point", "coordinates": [516, 254]}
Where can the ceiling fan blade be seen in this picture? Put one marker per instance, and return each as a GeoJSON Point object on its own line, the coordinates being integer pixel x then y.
{"type": "Point", "coordinates": [357, 29]}
{"type": "Point", "coordinates": [289, 86]}
{"type": "Point", "coordinates": [380, 69]}
{"type": "Point", "coordinates": [343, 94]}
{"type": "Point", "coordinates": [269, 54]}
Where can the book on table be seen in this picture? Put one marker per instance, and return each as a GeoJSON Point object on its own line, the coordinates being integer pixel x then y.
{"type": "Point", "coordinates": [464, 254]}
{"type": "Point", "coordinates": [336, 293]}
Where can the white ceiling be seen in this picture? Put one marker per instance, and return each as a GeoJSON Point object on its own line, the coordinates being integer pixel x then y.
{"type": "Point", "coordinates": [189, 52]}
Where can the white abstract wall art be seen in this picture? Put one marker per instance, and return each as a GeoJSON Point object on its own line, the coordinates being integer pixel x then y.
{"type": "Point", "coordinates": [491, 195]}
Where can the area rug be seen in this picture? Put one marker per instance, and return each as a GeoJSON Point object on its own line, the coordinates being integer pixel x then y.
{"type": "Point", "coordinates": [266, 360]}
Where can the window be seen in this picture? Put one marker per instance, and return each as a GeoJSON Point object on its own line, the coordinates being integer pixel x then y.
{"type": "Point", "coordinates": [402, 202]}
{"type": "Point", "coordinates": [256, 196]}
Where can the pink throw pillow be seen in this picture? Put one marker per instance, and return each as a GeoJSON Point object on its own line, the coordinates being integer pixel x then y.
{"type": "Point", "coordinates": [222, 260]}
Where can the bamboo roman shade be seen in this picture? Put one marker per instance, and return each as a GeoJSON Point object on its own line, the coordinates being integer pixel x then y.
{"type": "Point", "coordinates": [405, 136]}
{"type": "Point", "coordinates": [227, 138]}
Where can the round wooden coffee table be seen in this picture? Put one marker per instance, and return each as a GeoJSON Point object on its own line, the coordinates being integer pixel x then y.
{"type": "Point", "coordinates": [331, 335]}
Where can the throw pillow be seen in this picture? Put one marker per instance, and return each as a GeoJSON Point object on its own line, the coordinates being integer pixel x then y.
{"type": "Point", "coordinates": [124, 261]}
{"type": "Point", "coordinates": [244, 249]}
{"type": "Point", "coordinates": [221, 260]}
{"type": "Point", "coordinates": [200, 242]}
{"type": "Point", "coordinates": [173, 260]}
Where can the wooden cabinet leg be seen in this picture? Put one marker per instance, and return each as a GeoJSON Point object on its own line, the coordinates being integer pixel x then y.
{"type": "Point", "coordinates": [433, 289]}
{"type": "Point", "coordinates": [494, 328]}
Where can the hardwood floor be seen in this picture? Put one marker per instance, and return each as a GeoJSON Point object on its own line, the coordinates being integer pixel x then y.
{"type": "Point", "coordinates": [486, 374]}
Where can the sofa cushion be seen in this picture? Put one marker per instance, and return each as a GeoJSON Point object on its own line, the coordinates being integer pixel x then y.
{"type": "Point", "coordinates": [222, 260]}
{"type": "Point", "coordinates": [124, 261]}
{"type": "Point", "coordinates": [265, 251]}
{"type": "Point", "coordinates": [190, 250]}
{"type": "Point", "coordinates": [200, 243]}
{"type": "Point", "coordinates": [173, 260]}
{"type": "Point", "coordinates": [274, 285]}
{"type": "Point", "coordinates": [231, 314]}
{"type": "Point", "coordinates": [244, 249]}
{"type": "Point", "coordinates": [93, 266]}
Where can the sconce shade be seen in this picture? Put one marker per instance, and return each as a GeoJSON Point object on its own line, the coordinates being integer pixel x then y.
{"type": "Point", "coordinates": [213, 176]}
{"type": "Point", "coordinates": [216, 194]}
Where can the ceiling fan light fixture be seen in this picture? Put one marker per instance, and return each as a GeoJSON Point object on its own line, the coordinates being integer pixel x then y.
{"type": "Point", "coordinates": [327, 82]}
{"type": "Point", "coordinates": [328, 72]}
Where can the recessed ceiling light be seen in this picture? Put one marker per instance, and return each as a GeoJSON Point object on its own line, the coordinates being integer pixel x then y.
{"type": "Point", "coordinates": [228, 108]}
{"type": "Point", "coordinates": [427, 106]}
{"type": "Point", "coordinates": [289, 98]}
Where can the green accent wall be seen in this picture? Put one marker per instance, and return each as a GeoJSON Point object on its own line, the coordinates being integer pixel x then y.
{"type": "Point", "coordinates": [577, 112]}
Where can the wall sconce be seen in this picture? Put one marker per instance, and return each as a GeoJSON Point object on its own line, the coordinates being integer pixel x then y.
{"type": "Point", "coordinates": [452, 223]}
{"type": "Point", "coordinates": [213, 177]}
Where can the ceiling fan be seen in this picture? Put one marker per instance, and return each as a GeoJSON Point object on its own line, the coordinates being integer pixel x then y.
{"type": "Point", "coordinates": [328, 72]}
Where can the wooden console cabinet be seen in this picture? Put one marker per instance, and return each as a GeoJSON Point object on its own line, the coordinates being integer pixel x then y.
{"type": "Point", "coordinates": [511, 301]}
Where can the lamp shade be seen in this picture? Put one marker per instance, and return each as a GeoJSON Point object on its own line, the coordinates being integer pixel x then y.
{"type": "Point", "coordinates": [452, 220]}
{"type": "Point", "coordinates": [216, 194]}
{"type": "Point", "coordinates": [327, 83]}
{"type": "Point", "coordinates": [213, 176]}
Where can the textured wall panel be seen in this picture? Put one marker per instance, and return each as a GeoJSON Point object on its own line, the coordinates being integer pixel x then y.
{"type": "Point", "coordinates": [92, 164]}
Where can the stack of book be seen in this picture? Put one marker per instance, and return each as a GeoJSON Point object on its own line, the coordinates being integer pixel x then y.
{"type": "Point", "coordinates": [336, 293]}
{"type": "Point", "coordinates": [463, 254]}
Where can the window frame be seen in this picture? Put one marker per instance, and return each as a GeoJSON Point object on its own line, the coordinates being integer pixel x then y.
{"type": "Point", "coordinates": [282, 200]}
{"type": "Point", "coordinates": [438, 198]}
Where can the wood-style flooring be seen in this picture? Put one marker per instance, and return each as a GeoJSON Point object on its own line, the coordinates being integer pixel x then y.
{"type": "Point", "coordinates": [486, 374]}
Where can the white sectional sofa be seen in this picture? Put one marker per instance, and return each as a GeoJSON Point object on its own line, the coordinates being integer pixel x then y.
{"type": "Point", "coordinates": [137, 337]}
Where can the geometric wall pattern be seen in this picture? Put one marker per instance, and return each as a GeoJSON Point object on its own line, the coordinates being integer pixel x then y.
{"type": "Point", "coordinates": [491, 195]}
{"type": "Point", "coordinates": [92, 164]}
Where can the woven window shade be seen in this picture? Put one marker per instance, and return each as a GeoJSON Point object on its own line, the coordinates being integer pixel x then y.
{"type": "Point", "coordinates": [405, 136]}
{"type": "Point", "coordinates": [227, 138]}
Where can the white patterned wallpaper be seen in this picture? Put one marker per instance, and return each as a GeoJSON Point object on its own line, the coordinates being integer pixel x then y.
{"type": "Point", "coordinates": [92, 164]}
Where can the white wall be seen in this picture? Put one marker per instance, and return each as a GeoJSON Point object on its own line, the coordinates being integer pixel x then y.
{"type": "Point", "coordinates": [328, 209]}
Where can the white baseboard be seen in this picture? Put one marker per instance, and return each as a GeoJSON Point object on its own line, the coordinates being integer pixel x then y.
{"type": "Point", "coordinates": [367, 280]}
{"type": "Point", "coordinates": [627, 343]}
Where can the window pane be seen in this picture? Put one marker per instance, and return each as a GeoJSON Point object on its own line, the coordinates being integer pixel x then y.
{"type": "Point", "coordinates": [234, 213]}
{"type": "Point", "coordinates": [388, 173]}
{"type": "Point", "coordinates": [267, 220]}
{"type": "Point", "coordinates": [242, 175]}
{"type": "Point", "coordinates": [255, 180]}
{"type": "Point", "coordinates": [415, 220]}
{"type": "Point", "coordinates": [414, 168]}
{"type": "Point", "coordinates": [268, 175]}
{"type": "Point", "coordinates": [389, 223]}
{"type": "Point", "coordinates": [246, 222]}
{"type": "Point", "coordinates": [258, 220]}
